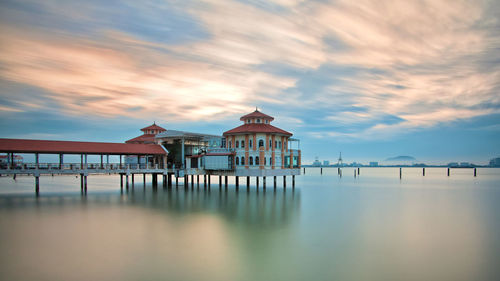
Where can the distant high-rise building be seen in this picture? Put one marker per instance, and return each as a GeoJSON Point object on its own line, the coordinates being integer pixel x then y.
{"type": "Point", "coordinates": [316, 162]}
{"type": "Point", "coordinates": [326, 163]}
{"type": "Point", "coordinates": [373, 164]}
{"type": "Point", "coordinates": [495, 162]}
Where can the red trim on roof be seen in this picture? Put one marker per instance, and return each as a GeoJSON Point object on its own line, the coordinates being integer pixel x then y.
{"type": "Point", "coordinates": [219, 154]}
{"type": "Point", "coordinates": [146, 138]}
{"type": "Point", "coordinates": [257, 114]}
{"type": "Point", "coordinates": [78, 147]}
{"type": "Point", "coordinates": [256, 128]}
{"type": "Point", "coordinates": [153, 127]}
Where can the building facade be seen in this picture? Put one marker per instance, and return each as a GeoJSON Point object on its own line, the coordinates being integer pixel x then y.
{"type": "Point", "coordinates": [258, 145]}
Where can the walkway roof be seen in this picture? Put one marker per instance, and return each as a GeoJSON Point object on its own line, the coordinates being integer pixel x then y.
{"type": "Point", "coordinates": [78, 147]}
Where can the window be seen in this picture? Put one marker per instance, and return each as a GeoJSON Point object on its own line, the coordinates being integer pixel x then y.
{"type": "Point", "coordinates": [275, 144]}
{"type": "Point", "coordinates": [265, 160]}
{"type": "Point", "coordinates": [242, 144]}
{"type": "Point", "coordinates": [261, 143]}
{"type": "Point", "coordinates": [258, 120]}
{"type": "Point", "coordinates": [270, 143]}
{"type": "Point", "coordinates": [256, 160]}
{"type": "Point", "coordinates": [250, 161]}
{"type": "Point", "coordinates": [237, 161]}
{"type": "Point", "coordinates": [237, 144]}
{"type": "Point", "coordinates": [250, 143]}
{"type": "Point", "coordinates": [248, 121]}
{"type": "Point", "coordinates": [242, 160]}
{"type": "Point", "coordinates": [279, 143]}
{"type": "Point", "coordinates": [230, 144]}
{"type": "Point", "coordinates": [270, 161]}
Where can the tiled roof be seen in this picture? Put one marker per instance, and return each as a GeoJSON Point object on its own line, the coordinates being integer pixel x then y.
{"type": "Point", "coordinates": [257, 128]}
{"type": "Point", "coordinates": [146, 138]}
{"type": "Point", "coordinates": [257, 114]}
{"type": "Point", "coordinates": [78, 147]}
{"type": "Point", "coordinates": [153, 127]}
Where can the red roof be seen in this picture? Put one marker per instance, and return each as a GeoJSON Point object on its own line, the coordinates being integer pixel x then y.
{"type": "Point", "coordinates": [146, 138]}
{"type": "Point", "coordinates": [78, 147]}
{"type": "Point", "coordinates": [153, 127]}
{"type": "Point", "coordinates": [257, 114]}
{"type": "Point", "coordinates": [256, 128]}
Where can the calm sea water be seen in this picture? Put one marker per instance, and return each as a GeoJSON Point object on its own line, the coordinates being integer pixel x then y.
{"type": "Point", "coordinates": [374, 227]}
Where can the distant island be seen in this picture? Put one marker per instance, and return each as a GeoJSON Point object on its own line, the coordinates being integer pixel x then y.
{"type": "Point", "coordinates": [401, 158]}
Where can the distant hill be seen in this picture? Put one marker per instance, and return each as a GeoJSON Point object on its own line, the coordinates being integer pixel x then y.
{"type": "Point", "coordinates": [401, 158]}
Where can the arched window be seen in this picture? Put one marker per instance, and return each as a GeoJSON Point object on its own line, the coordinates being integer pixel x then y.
{"type": "Point", "coordinates": [275, 144]}
{"type": "Point", "coordinates": [250, 161]}
{"type": "Point", "coordinates": [237, 144]}
{"type": "Point", "coordinates": [256, 160]}
{"type": "Point", "coordinates": [250, 143]}
{"type": "Point", "coordinates": [242, 144]}
{"type": "Point", "coordinates": [279, 144]}
{"type": "Point", "coordinates": [270, 161]}
{"type": "Point", "coordinates": [270, 143]}
{"type": "Point", "coordinates": [242, 160]}
{"type": "Point", "coordinates": [265, 161]}
{"type": "Point", "coordinates": [237, 160]}
{"type": "Point", "coordinates": [229, 144]}
{"type": "Point", "coordinates": [258, 120]}
{"type": "Point", "coordinates": [261, 143]}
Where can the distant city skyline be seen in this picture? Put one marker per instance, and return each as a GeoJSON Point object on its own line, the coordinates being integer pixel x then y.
{"type": "Point", "coordinates": [373, 79]}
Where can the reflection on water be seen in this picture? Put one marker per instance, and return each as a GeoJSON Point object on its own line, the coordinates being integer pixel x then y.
{"type": "Point", "coordinates": [373, 227]}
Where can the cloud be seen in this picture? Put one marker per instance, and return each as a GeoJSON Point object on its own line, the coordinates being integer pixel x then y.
{"type": "Point", "coordinates": [409, 65]}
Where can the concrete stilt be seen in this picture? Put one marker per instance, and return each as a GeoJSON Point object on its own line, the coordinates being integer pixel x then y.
{"type": "Point", "coordinates": [264, 182]}
{"type": "Point", "coordinates": [126, 181]}
{"type": "Point", "coordinates": [205, 181]}
{"type": "Point", "coordinates": [225, 181]}
{"type": "Point", "coordinates": [132, 175]}
{"type": "Point", "coordinates": [237, 181]}
{"type": "Point", "coordinates": [81, 182]}
{"type": "Point", "coordinates": [358, 171]}
{"type": "Point", "coordinates": [304, 171]}
{"type": "Point", "coordinates": [284, 181]}
{"type": "Point", "coordinates": [274, 182]}
{"type": "Point", "coordinates": [321, 170]}
{"type": "Point", "coordinates": [176, 181]}
{"type": "Point", "coordinates": [475, 172]}
{"type": "Point", "coordinates": [192, 181]}
{"type": "Point", "coordinates": [164, 181]}
{"type": "Point", "coordinates": [186, 181]}
{"type": "Point", "coordinates": [257, 182]}
{"type": "Point", "coordinates": [198, 180]}
{"type": "Point", "coordinates": [400, 173]}
{"type": "Point", "coordinates": [85, 183]}
{"type": "Point", "coordinates": [423, 172]}
{"type": "Point", "coordinates": [220, 181]}
{"type": "Point", "coordinates": [293, 181]}
{"type": "Point", "coordinates": [169, 180]}
{"type": "Point", "coordinates": [144, 180]}
{"type": "Point", "coordinates": [248, 182]}
{"type": "Point", "coordinates": [448, 171]}
{"type": "Point", "coordinates": [209, 176]}
{"type": "Point", "coordinates": [121, 181]}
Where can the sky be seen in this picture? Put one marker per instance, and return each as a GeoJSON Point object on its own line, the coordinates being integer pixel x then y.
{"type": "Point", "coordinates": [372, 79]}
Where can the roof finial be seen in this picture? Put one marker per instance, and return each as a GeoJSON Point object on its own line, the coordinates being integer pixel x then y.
{"type": "Point", "coordinates": [256, 109]}
{"type": "Point", "coordinates": [154, 122]}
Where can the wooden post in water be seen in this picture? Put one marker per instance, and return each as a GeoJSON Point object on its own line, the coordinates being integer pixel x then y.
{"type": "Point", "coordinates": [192, 181]}
{"type": "Point", "coordinates": [284, 181]}
{"type": "Point", "coordinates": [264, 183]}
{"type": "Point", "coordinates": [85, 183]}
{"type": "Point", "coordinates": [304, 171]}
{"type": "Point", "coordinates": [186, 181]}
{"type": "Point", "coordinates": [220, 181]}
{"type": "Point", "coordinates": [293, 181]}
{"type": "Point", "coordinates": [237, 181]}
{"type": "Point", "coordinates": [225, 181]}
{"type": "Point", "coordinates": [321, 170]}
{"type": "Point", "coordinates": [209, 176]}
{"type": "Point", "coordinates": [205, 181]}
{"type": "Point", "coordinates": [37, 185]}
{"type": "Point", "coordinates": [176, 181]}
{"type": "Point", "coordinates": [338, 171]}
{"type": "Point", "coordinates": [400, 172]}
{"type": "Point", "coordinates": [274, 182]}
{"type": "Point", "coordinates": [475, 172]}
{"type": "Point", "coordinates": [197, 180]}
{"type": "Point", "coordinates": [257, 182]}
{"type": "Point", "coordinates": [121, 181]}
{"type": "Point", "coordinates": [248, 182]}
{"type": "Point", "coordinates": [126, 181]}
{"type": "Point", "coordinates": [144, 179]}
{"type": "Point", "coordinates": [132, 175]}
{"type": "Point", "coordinates": [448, 171]}
{"type": "Point", "coordinates": [354, 173]}
{"type": "Point", "coordinates": [423, 172]}
{"type": "Point", "coordinates": [358, 171]}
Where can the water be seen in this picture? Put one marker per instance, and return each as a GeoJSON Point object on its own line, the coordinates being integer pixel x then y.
{"type": "Point", "coordinates": [374, 227]}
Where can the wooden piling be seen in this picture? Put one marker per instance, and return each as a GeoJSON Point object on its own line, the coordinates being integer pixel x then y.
{"type": "Point", "coordinates": [220, 181]}
{"type": "Point", "coordinates": [264, 183]}
{"type": "Point", "coordinates": [204, 181]}
{"type": "Point", "coordinates": [209, 180]}
{"type": "Point", "coordinates": [358, 171]}
{"type": "Point", "coordinates": [321, 170]}
{"type": "Point", "coordinates": [304, 171]}
{"type": "Point", "coordinates": [186, 181]}
{"type": "Point", "coordinates": [293, 181]}
{"type": "Point", "coordinates": [37, 185]}
{"type": "Point", "coordinates": [248, 182]}
{"type": "Point", "coordinates": [475, 172]}
{"type": "Point", "coordinates": [237, 181]}
{"type": "Point", "coordinates": [192, 181]}
{"type": "Point", "coordinates": [121, 181]}
{"type": "Point", "coordinates": [274, 182]}
{"type": "Point", "coordinates": [284, 181]}
{"type": "Point", "coordinates": [225, 181]}
{"type": "Point", "coordinates": [448, 171]}
{"type": "Point", "coordinates": [423, 172]}
{"type": "Point", "coordinates": [85, 183]}
{"type": "Point", "coordinates": [354, 173]}
{"type": "Point", "coordinates": [400, 172]}
{"type": "Point", "coordinates": [257, 181]}
{"type": "Point", "coordinates": [197, 180]}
